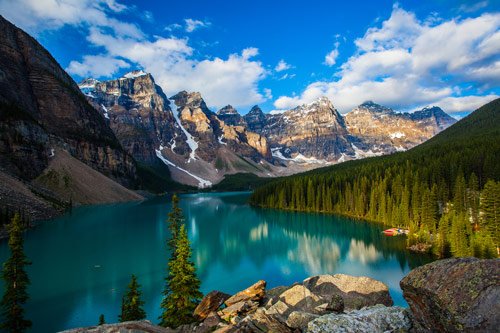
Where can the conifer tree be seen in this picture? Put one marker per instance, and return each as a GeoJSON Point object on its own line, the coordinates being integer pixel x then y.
{"type": "Point", "coordinates": [182, 292]}
{"type": "Point", "coordinates": [132, 303]}
{"type": "Point", "coordinates": [175, 219]}
{"type": "Point", "coordinates": [102, 321]}
{"type": "Point", "coordinates": [16, 281]}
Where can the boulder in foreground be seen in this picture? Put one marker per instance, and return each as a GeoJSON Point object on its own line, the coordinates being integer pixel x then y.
{"type": "Point", "coordinates": [375, 319]}
{"type": "Point", "coordinates": [455, 295]}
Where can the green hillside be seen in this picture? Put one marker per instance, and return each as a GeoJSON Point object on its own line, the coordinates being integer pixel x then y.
{"type": "Point", "coordinates": [445, 191]}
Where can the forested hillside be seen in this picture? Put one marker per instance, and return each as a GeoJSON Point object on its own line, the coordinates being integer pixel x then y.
{"type": "Point", "coordinates": [445, 191]}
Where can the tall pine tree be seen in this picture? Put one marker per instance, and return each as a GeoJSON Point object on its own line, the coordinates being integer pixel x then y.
{"type": "Point", "coordinates": [175, 219]}
{"type": "Point", "coordinates": [182, 290]}
{"type": "Point", "coordinates": [132, 303]}
{"type": "Point", "coordinates": [16, 281]}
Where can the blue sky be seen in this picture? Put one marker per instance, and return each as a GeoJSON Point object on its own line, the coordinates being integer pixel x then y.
{"type": "Point", "coordinates": [279, 54]}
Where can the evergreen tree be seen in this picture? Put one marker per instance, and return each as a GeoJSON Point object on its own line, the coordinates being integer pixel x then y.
{"type": "Point", "coordinates": [175, 219]}
{"type": "Point", "coordinates": [102, 321]}
{"type": "Point", "coordinates": [16, 281]}
{"type": "Point", "coordinates": [490, 207]}
{"type": "Point", "coordinates": [182, 292]}
{"type": "Point", "coordinates": [132, 303]}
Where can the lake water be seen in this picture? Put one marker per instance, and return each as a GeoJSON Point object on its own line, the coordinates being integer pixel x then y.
{"type": "Point", "coordinates": [82, 261]}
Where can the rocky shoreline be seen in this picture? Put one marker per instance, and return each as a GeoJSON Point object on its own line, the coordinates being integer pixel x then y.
{"type": "Point", "coordinates": [451, 295]}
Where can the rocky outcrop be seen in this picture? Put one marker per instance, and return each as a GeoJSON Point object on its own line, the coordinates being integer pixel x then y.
{"type": "Point", "coordinates": [376, 319]}
{"type": "Point", "coordinates": [230, 116]}
{"type": "Point", "coordinates": [143, 326]}
{"type": "Point", "coordinates": [291, 309]}
{"type": "Point", "coordinates": [315, 131]}
{"type": "Point", "coordinates": [42, 108]}
{"type": "Point", "coordinates": [381, 130]}
{"type": "Point", "coordinates": [139, 114]}
{"type": "Point", "coordinates": [356, 292]}
{"type": "Point", "coordinates": [210, 303]}
{"type": "Point", "coordinates": [455, 295]}
{"type": "Point", "coordinates": [255, 119]}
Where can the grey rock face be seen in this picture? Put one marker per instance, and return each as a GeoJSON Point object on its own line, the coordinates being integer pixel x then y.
{"type": "Point", "coordinates": [313, 130]}
{"type": "Point", "coordinates": [381, 130]}
{"type": "Point", "coordinates": [455, 295]}
{"type": "Point", "coordinates": [139, 114]}
{"type": "Point", "coordinates": [255, 119]}
{"type": "Point", "coordinates": [42, 108]}
{"type": "Point", "coordinates": [230, 116]}
{"type": "Point", "coordinates": [376, 319]}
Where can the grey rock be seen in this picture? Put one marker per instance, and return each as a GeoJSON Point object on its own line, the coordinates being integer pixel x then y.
{"type": "Point", "coordinates": [356, 292]}
{"type": "Point", "coordinates": [371, 319]}
{"type": "Point", "coordinates": [300, 319]}
{"type": "Point", "coordinates": [455, 295]}
{"type": "Point", "coordinates": [143, 326]}
{"type": "Point", "coordinates": [336, 304]}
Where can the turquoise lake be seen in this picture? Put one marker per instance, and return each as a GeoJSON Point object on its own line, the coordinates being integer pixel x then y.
{"type": "Point", "coordinates": [82, 261]}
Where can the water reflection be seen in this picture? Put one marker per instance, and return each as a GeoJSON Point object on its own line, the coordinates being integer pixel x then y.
{"type": "Point", "coordinates": [83, 262]}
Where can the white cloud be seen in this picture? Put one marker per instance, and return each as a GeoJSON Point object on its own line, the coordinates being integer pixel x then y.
{"type": "Point", "coordinates": [192, 25]}
{"type": "Point", "coordinates": [233, 79]}
{"type": "Point", "coordinates": [405, 63]}
{"type": "Point", "coordinates": [470, 8]}
{"type": "Point", "coordinates": [173, 26]}
{"type": "Point", "coordinates": [331, 57]}
{"type": "Point", "coordinates": [38, 15]}
{"type": "Point", "coordinates": [465, 103]}
{"type": "Point", "coordinates": [221, 81]}
{"type": "Point", "coordinates": [268, 93]}
{"type": "Point", "coordinates": [282, 66]}
{"type": "Point", "coordinates": [96, 66]}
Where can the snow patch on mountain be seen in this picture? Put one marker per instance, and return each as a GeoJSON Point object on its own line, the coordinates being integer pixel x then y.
{"type": "Point", "coordinates": [299, 158]}
{"type": "Point", "coordinates": [202, 183]}
{"type": "Point", "coordinates": [220, 140]}
{"type": "Point", "coordinates": [134, 74]}
{"type": "Point", "coordinates": [193, 145]}
{"type": "Point", "coordinates": [397, 135]}
{"type": "Point", "coordinates": [106, 115]}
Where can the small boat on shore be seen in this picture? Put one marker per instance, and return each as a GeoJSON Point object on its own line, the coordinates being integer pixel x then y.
{"type": "Point", "coordinates": [395, 232]}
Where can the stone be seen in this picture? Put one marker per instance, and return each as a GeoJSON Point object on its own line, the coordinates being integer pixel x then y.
{"type": "Point", "coordinates": [226, 329]}
{"type": "Point", "coordinates": [253, 293]}
{"type": "Point", "coordinates": [241, 308]}
{"type": "Point", "coordinates": [142, 326]}
{"type": "Point", "coordinates": [356, 292]}
{"type": "Point", "coordinates": [212, 320]}
{"type": "Point", "coordinates": [300, 319]}
{"type": "Point", "coordinates": [455, 295]}
{"type": "Point", "coordinates": [211, 302]}
{"type": "Point", "coordinates": [300, 298]}
{"type": "Point", "coordinates": [279, 309]}
{"type": "Point", "coordinates": [336, 304]}
{"type": "Point", "coordinates": [261, 322]}
{"type": "Point", "coordinates": [375, 319]}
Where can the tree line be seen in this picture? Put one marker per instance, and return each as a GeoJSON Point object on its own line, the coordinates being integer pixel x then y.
{"type": "Point", "coordinates": [181, 292]}
{"type": "Point", "coordinates": [445, 191]}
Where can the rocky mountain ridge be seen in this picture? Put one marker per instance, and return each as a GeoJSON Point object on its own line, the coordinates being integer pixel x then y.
{"type": "Point", "coordinates": [42, 111]}
{"type": "Point", "coordinates": [200, 146]}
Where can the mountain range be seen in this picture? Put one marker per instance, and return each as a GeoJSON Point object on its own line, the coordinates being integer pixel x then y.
{"type": "Point", "coordinates": [200, 146]}
{"type": "Point", "coordinates": [105, 141]}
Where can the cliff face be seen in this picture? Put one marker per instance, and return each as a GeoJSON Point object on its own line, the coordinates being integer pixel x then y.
{"type": "Point", "coordinates": [139, 114]}
{"type": "Point", "coordinates": [385, 131]}
{"type": "Point", "coordinates": [315, 131]}
{"type": "Point", "coordinates": [42, 108]}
